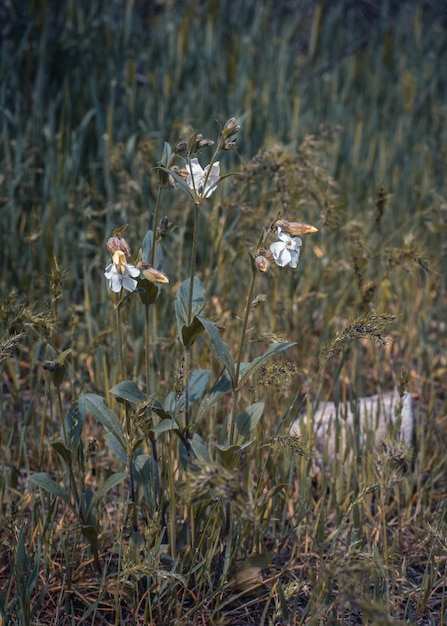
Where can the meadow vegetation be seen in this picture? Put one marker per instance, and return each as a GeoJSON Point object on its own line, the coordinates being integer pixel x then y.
{"type": "Point", "coordinates": [147, 473]}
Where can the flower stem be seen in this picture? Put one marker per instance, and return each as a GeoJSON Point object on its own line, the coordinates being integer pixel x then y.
{"type": "Point", "coordinates": [195, 240]}
{"type": "Point", "coordinates": [239, 356]}
{"type": "Point", "coordinates": [147, 340]}
{"type": "Point", "coordinates": [187, 356]}
{"type": "Point", "coordinates": [119, 334]}
{"type": "Point", "coordinates": [154, 225]}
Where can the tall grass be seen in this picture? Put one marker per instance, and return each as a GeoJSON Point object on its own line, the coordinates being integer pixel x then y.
{"type": "Point", "coordinates": [343, 125]}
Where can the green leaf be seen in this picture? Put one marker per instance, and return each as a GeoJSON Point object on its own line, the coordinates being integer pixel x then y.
{"type": "Point", "coordinates": [182, 301]}
{"type": "Point", "coordinates": [129, 391]}
{"type": "Point", "coordinates": [166, 425]}
{"type": "Point", "coordinates": [108, 484]}
{"type": "Point", "coordinates": [230, 455]}
{"type": "Point", "coordinates": [191, 332]}
{"type": "Point", "coordinates": [247, 420]}
{"type": "Point", "coordinates": [147, 475]}
{"type": "Point", "coordinates": [162, 412]}
{"type": "Point", "coordinates": [63, 355]}
{"type": "Point", "coordinates": [167, 159]}
{"type": "Point", "coordinates": [220, 348]}
{"type": "Point", "coordinates": [116, 447]}
{"type": "Point", "coordinates": [44, 481]}
{"type": "Point", "coordinates": [198, 382]}
{"type": "Point", "coordinates": [94, 404]}
{"type": "Point", "coordinates": [90, 532]}
{"type": "Point", "coordinates": [220, 387]}
{"type": "Point", "coordinates": [74, 423]}
{"type": "Point", "coordinates": [147, 291]}
{"type": "Point", "coordinates": [146, 251]}
{"type": "Point", "coordinates": [252, 367]}
{"type": "Point", "coordinates": [199, 448]}
{"type": "Point", "coordinates": [63, 451]}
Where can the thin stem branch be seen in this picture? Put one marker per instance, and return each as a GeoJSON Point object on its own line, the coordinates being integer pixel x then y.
{"type": "Point", "coordinates": [147, 339]}
{"type": "Point", "coordinates": [239, 356]}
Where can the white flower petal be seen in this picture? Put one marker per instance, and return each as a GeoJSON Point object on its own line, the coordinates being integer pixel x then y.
{"type": "Point", "coordinates": [130, 284]}
{"type": "Point", "coordinates": [281, 254]}
{"type": "Point", "coordinates": [133, 271]}
{"type": "Point", "coordinates": [295, 257]}
{"type": "Point", "coordinates": [115, 283]}
{"type": "Point", "coordinates": [284, 236]}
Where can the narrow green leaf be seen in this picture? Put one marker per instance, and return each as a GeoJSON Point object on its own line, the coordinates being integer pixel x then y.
{"type": "Point", "coordinates": [221, 349]}
{"type": "Point", "coordinates": [44, 480]}
{"type": "Point", "coordinates": [108, 484]}
{"type": "Point", "coordinates": [274, 348]}
{"type": "Point", "coordinates": [74, 423]}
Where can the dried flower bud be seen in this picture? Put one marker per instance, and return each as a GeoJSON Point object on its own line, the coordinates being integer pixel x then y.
{"type": "Point", "coordinates": [262, 260]}
{"type": "Point", "coordinates": [151, 274]}
{"type": "Point", "coordinates": [115, 244]}
{"type": "Point", "coordinates": [204, 143]}
{"type": "Point", "coordinates": [181, 171]}
{"type": "Point", "coordinates": [295, 229]}
{"type": "Point", "coordinates": [119, 260]}
{"type": "Point", "coordinates": [163, 228]}
{"type": "Point", "coordinates": [181, 148]}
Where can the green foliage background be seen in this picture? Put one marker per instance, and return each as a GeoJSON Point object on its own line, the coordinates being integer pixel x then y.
{"type": "Point", "coordinates": [343, 113]}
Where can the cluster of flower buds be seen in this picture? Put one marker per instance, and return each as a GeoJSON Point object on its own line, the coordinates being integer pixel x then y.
{"type": "Point", "coordinates": [195, 143]}
{"type": "Point", "coordinates": [263, 259]}
{"type": "Point", "coordinates": [230, 129]}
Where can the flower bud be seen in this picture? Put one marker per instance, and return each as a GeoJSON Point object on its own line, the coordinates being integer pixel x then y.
{"type": "Point", "coordinates": [295, 228]}
{"type": "Point", "coordinates": [262, 260]}
{"type": "Point", "coordinates": [181, 148]}
{"type": "Point", "coordinates": [163, 228]}
{"type": "Point", "coordinates": [115, 244]}
{"type": "Point", "coordinates": [231, 128]}
{"type": "Point", "coordinates": [151, 274]}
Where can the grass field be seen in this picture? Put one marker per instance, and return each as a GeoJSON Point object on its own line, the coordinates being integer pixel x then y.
{"type": "Point", "coordinates": [147, 473]}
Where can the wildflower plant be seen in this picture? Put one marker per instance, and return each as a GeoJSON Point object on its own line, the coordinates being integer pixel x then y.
{"type": "Point", "coordinates": [139, 424]}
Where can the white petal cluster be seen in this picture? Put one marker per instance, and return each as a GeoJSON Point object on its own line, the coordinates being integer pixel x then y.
{"type": "Point", "coordinates": [203, 181]}
{"type": "Point", "coordinates": [121, 274]}
{"type": "Point", "coordinates": [287, 250]}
